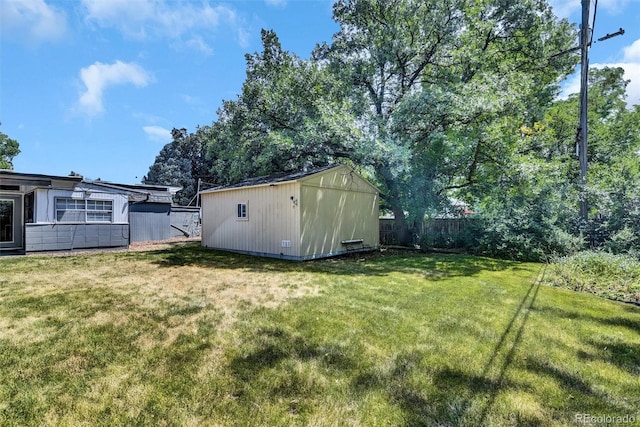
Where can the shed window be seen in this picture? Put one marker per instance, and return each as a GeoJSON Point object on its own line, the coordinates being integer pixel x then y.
{"type": "Point", "coordinates": [242, 211]}
{"type": "Point", "coordinates": [75, 210]}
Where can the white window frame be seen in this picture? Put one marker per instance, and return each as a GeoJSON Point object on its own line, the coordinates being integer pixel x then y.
{"type": "Point", "coordinates": [92, 210]}
{"type": "Point", "coordinates": [242, 211]}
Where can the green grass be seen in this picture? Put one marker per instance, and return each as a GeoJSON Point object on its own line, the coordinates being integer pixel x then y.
{"type": "Point", "coordinates": [188, 336]}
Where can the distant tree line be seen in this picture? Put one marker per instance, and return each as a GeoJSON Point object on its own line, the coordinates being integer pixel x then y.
{"type": "Point", "coordinates": [434, 101]}
{"type": "Point", "coordinates": [9, 148]}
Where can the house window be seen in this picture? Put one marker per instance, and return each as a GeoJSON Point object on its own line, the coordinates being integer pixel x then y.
{"type": "Point", "coordinates": [28, 208]}
{"type": "Point", "coordinates": [6, 221]}
{"type": "Point", "coordinates": [75, 210]}
{"type": "Point", "coordinates": [242, 211]}
{"type": "Point", "coordinates": [99, 210]}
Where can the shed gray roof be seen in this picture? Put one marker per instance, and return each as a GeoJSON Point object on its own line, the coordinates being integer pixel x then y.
{"type": "Point", "coordinates": [273, 179]}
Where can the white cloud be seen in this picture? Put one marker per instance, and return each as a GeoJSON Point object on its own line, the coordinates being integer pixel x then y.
{"type": "Point", "coordinates": [632, 52]}
{"type": "Point", "coordinates": [243, 37]}
{"type": "Point", "coordinates": [612, 6]}
{"type": "Point", "coordinates": [277, 3]}
{"type": "Point", "coordinates": [197, 43]}
{"type": "Point", "coordinates": [184, 22]}
{"type": "Point", "coordinates": [158, 134]}
{"type": "Point", "coordinates": [572, 8]}
{"type": "Point", "coordinates": [565, 8]}
{"type": "Point", "coordinates": [570, 86]}
{"type": "Point", "coordinates": [32, 21]}
{"type": "Point", "coordinates": [631, 73]}
{"type": "Point", "coordinates": [98, 76]}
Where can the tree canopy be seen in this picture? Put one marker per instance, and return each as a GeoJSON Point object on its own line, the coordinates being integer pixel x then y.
{"type": "Point", "coordinates": [431, 100]}
{"type": "Point", "coordinates": [9, 148]}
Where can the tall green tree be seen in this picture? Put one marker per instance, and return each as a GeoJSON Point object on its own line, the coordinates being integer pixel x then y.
{"type": "Point", "coordinates": [536, 201]}
{"type": "Point", "coordinates": [290, 114]}
{"type": "Point", "coordinates": [431, 84]}
{"type": "Point", "coordinates": [181, 163]}
{"type": "Point", "coordinates": [9, 148]}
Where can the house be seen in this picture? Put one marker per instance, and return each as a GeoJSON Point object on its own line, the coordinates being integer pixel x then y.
{"type": "Point", "coordinates": [47, 212]}
{"type": "Point", "coordinates": [301, 216]}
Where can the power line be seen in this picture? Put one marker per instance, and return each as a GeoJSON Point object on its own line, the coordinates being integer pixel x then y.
{"type": "Point", "coordinates": [586, 39]}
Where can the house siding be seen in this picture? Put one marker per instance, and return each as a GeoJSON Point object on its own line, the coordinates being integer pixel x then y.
{"type": "Point", "coordinates": [272, 218]}
{"type": "Point", "coordinates": [46, 234]}
{"type": "Point", "coordinates": [150, 221]}
{"type": "Point", "coordinates": [55, 237]}
{"type": "Point", "coordinates": [45, 207]}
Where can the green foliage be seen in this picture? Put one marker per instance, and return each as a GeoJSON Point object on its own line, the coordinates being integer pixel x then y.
{"type": "Point", "coordinates": [181, 163]}
{"type": "Point", "coordinates": [625, 240]}
{"type": "Point", "coordinates": [290, 115]}
{"type": "Point", "coordinates": [431, 82]}
{"type": "Point", "coordinates": [434, 100]}
{"type": "Point", "coordinates": [602, 273]}
{"type": "Point", "coordinates": [531, 209]}
{"type": "Point", "coordinates": [9, 148]}
{"type": "Point", "coordinates": [520, 238]}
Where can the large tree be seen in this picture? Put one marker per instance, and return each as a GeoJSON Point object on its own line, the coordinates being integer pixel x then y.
{"type": "Point", "coordinates": [535, 203]}
{"type": "Point", "coordinates": [433, 85]}
{"type": "Point", "coordinates": [181, 163]}
{"type": "Point", "coordinates": [290, 114]}
{"type": "Point", "coordinates": [426, 97]}
{"type": "Point", "coordinates": [9, 148]}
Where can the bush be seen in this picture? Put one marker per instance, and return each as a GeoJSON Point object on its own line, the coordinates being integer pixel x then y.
{"type": "Point", "coordinates": [602, 273]}
{"type": "Point", "coordinates": [625, 240]}
{"type": "Point", "coordinates": [520, 240]}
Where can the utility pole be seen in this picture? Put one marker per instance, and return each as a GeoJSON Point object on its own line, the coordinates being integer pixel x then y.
{"type": "Point", "coordinates": [585, 34]}
{"type": "Point", "coordinates": [585, 43]}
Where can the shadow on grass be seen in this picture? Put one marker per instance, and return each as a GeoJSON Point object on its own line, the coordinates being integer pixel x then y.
{"type": "Point", "coordinates": [432, 266]}
{"type": "Point", "coordinates": [626, 322]}
{"type": "Point", "coordinates": [623, 355]}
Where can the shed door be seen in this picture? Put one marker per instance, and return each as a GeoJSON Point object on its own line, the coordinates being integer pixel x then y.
{"type": "Point", "coordinates": [10, 222]}
{"type": "Point", "coordinates": [149, 221]}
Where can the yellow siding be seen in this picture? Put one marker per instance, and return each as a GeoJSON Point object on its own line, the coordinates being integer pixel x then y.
{"type": "Point", "coordinates": [331, 215]}
{"type": "Point", "coordinates": [342, 178]}
{"type": "Point", "coordinates": [315, 213]}
{"type": "Point", "coordinates": [272, 217]}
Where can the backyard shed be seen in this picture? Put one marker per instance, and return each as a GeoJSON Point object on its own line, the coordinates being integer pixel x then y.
{"type": "Point", "coordinates": [301, 216]}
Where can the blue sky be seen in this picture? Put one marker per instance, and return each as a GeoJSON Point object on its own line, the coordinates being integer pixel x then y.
{"type": "Point", "coordinates": [95, 86]}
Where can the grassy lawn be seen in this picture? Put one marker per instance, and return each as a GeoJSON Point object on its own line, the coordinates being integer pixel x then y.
{"type": "Point", "coordinates": [187, 336]}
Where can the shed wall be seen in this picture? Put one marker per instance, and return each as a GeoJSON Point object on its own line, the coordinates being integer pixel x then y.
{"type": "Point", "coordinates": [149, 221]}
{"type": "Point", "coordinates": [331, 215]}
{"type": "Point", "coordinates": [273, 216]}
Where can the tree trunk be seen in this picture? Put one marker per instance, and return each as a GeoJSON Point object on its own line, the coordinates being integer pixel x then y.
{"type": "Point", "coordinates": [403, 233]}
{"type": "Point", "coordinates": [392, 197]}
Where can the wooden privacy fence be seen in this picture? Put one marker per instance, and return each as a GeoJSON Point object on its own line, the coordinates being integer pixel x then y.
{"type": "Point", "coordinates": [440, 231]}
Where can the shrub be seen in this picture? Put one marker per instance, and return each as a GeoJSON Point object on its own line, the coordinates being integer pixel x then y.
{"type": "Point", "coordinates": [518, 239]}
{"type": "Point", "coordinates": [602, 273]}
{"type": "Point", "coordinates": [625, 240]}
